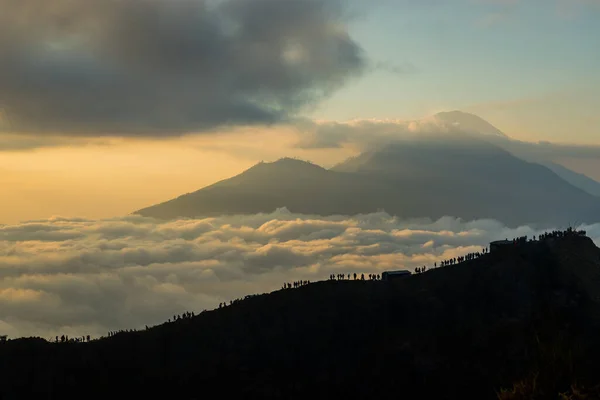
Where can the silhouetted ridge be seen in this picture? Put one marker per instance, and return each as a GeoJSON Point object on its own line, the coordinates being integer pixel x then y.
{"type": "Point", "coordinates": [284, 166]}
{"type": "Point", "coordinates": [466, 330]}
{"type": "Point", "coordinates": [293, 163]}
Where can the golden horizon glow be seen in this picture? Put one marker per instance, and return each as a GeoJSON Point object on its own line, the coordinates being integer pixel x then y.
{"type": "Point", "coordinates": [106, 181]}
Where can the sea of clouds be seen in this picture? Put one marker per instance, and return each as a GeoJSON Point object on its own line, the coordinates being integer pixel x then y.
{"type": "Point", "coordinates": [83, 276]}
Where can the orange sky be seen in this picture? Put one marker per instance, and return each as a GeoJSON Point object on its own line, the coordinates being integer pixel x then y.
{"type": "Point", "coordinates": [101, 181]}
{"type": "Point", "coordinates": [121, 176]}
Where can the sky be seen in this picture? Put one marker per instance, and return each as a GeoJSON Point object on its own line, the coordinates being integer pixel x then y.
{"type": "Point", "coordinates": [108, 107]}
{"type": "Point", "coordinates": [528, 67]}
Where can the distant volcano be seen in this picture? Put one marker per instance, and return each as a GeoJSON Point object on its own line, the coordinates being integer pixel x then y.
{"type": "Point", "coordinates": [459, 176]}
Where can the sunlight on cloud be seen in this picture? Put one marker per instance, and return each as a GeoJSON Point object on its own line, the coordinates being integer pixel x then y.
{"type": "Point", "coordinates": [80, 276]}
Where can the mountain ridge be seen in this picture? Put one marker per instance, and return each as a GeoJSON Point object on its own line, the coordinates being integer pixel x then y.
{"type": "Point", "coordinates": [470, 329]}
{"type": "Point", "coordinates": [469, 174]}
{"type": "Point", "coordinates": [577, 179]}
{"type": "Point", "coordinates": [460, 177]}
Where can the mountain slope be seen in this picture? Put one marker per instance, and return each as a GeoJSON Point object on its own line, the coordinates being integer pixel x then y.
{"type": "Point", "coordinates": [471, 178]}
{"type": "Point", "coordinates": [453, 332]}
{"type": "Point", "coordinates": [300, 186]}
{"type": "Point", "coordinates": [534, 152]}
{"type": "Point", "coordinates": [462, 177]}
{"type": "Point", "coordinates": [576, 179]}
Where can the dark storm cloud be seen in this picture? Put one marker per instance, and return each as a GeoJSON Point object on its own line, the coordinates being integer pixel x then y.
{"type": "Point", "coordinates": [167, 67]}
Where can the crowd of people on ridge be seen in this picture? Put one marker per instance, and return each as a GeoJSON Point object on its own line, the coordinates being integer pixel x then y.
{"type": "Point", "coordinates": [453, 261]}
{"type": "Point", "coordinates": [549, 235]}
{"type": "Point", "coordinates": [516, 241]}
{"type": "Point", "coordinates": [560, 234]}
{"type": "Point", "coordinates": [372, 277]}
{"type": "Point", "coordinates": [235, 301]}
{"type": "Point", "coordinates": [176, 318]}
{"type": "Point", "coordinates": [66, 339]}
{"type": "Point", "coordinates": [180, 317]}
{"type": "Point", "coordinates": [295, 284]}
{"type": "Point", "coordinates": [361, 277]}
{"type": "Point", "coordinates": [461, 259]}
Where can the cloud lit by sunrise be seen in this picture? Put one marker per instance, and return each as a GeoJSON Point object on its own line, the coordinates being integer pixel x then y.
{"type": "Point", "coordinates": [73, 275]}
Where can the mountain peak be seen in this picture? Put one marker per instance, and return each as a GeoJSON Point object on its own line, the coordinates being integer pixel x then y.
{"type": "Point", "coordinates": [468, 123]}
{"type": "Point", "coordinates": [288, 163]}
{"type": "Point", "coordinates": [293, 161]}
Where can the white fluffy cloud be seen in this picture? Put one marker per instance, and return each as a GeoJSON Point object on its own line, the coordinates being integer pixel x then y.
{"type": "Point", "coordinates": [80, 276]}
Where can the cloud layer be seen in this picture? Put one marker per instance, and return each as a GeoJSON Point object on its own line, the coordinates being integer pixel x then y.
{"type": "Point", "coordinates": [80, 276]}
{"type": "Point", "coordinates": [365, 134]}
{"type": "Point", "coordinates": [162, 67]}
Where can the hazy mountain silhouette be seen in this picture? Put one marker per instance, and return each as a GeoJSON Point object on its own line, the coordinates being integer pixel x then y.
{"type": "Point", "coordinates": [576, 179]}
{"type": "Point", "coordinates": [434, 177]}
{"type": "Point", "coordinates": [526, 315]}
{"type": "Point", "coordinates": [300, 186]}
{"type": "Point", "coordinates": [540, 154]}
{"type": "Point", "coordinates": [470, 123]}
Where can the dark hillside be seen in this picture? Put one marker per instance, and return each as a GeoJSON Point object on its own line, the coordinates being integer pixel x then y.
{"type": "Point", "coordinates": [462, 331]}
